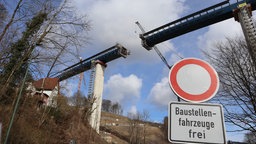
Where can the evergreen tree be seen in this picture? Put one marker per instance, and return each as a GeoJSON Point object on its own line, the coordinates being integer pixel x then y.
{"type": "Point", "coordinates": [20, 52]}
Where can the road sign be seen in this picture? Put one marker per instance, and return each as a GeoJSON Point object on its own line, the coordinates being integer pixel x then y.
{"type": "Point", "coordinates": [196, 123]}
{"type": "Point", "coordinates": [193, 80]}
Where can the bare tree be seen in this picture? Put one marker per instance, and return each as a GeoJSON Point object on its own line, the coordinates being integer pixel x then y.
{"type": "Point", "coordinates": [106, 105]}
{"type": "Point", "coordinates": [165, 128]}
{"type": "Point", "coordinates": [3, 14]}
{"type": "Point", "coordinates": [134, 132]}
{"type": "Point", "coordinates": [65, 33]}
{"type": "Point", "coordinates": [116, 108]}
{"type": "Point", "coordinates": [237, 76]}
{"type": "Point", "coordinates": [145, 117]}
{"type": "Point", "coordinates": [10, 22]}
{"type": "Point", "coordinates": [78, 100]}
{"type": "Point", "coordinates": [20, 52]}
{"type": "Point", "coordinates": [250, 138]}
{"type": "Point", "coordinates": [137, 127]}
{"type": "Point", "coordinates": [59, 36]}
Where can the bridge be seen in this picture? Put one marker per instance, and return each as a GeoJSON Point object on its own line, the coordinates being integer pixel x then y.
{"type": "Point", "coordinates": [105, 56]}
{"type": "Point", "coordinates": [97, 65]}
{"type": "Point", "coordinates": [194, 21]}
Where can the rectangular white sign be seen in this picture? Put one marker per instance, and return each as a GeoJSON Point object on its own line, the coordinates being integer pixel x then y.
{"type": "Point", "coordinates": [196, 123]}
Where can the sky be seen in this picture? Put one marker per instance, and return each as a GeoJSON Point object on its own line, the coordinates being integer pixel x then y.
{"type": "Point", "coordinates": [140, 81]}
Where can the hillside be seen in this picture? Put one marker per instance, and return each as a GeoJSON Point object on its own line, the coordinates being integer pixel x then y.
{"type": "Point", "coordinates": [122, 130]}
{"type": "Point", "coordinates": [34, 125]}
{"type": "Point", "coordinates": [66, 124]}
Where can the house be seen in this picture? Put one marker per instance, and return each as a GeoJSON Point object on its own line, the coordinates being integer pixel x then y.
{"type": "Point", "coordinates": [46, 91]}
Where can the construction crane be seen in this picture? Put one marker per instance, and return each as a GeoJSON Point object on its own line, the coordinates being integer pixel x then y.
{"type": "Point", "coordinates": [97, 64]}
{"type": "Point", "coordinates": [197, 20]}
{"type": "Point", "coordinates": [157, 51]}
{"type": "Point", "coordinates": [155, 48]}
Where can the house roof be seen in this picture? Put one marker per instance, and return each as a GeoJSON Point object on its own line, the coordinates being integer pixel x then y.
{"type": "Point", "coordinates": [46, 83]}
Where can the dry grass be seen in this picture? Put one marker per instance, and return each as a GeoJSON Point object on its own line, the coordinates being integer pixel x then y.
{"type": "Point", "coordinates": [47, 126]}
{"type": "Point", "coordinates": [61, 125]}
{"type": "Point", "coordinates": [153, 131]}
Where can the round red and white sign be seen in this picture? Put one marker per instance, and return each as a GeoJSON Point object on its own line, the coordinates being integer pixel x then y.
{"type": "Point", "coordinates": [194, 80]}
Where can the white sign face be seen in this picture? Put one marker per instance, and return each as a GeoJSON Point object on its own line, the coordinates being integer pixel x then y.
{"type": "Point", "coordinates": [193, 80]}
{"type": "Point", "coordinates": [196, 123]}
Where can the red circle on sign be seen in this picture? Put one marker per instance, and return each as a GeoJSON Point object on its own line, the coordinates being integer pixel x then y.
{"type": "Point", "coordinates": [206, 95]}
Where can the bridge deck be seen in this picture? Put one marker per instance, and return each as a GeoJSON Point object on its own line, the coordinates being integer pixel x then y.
{"type": "Point", "coordinates": [197, 20]}
{"type": "Point", "coordinates": [105, 56]}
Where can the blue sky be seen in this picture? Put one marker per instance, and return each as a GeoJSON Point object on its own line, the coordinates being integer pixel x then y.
{"type": "Point", "coordinates": [140, 82]}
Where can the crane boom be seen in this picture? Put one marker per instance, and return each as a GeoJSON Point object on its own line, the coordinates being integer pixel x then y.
{"type": "Point", "coordinates": [155, 48]}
